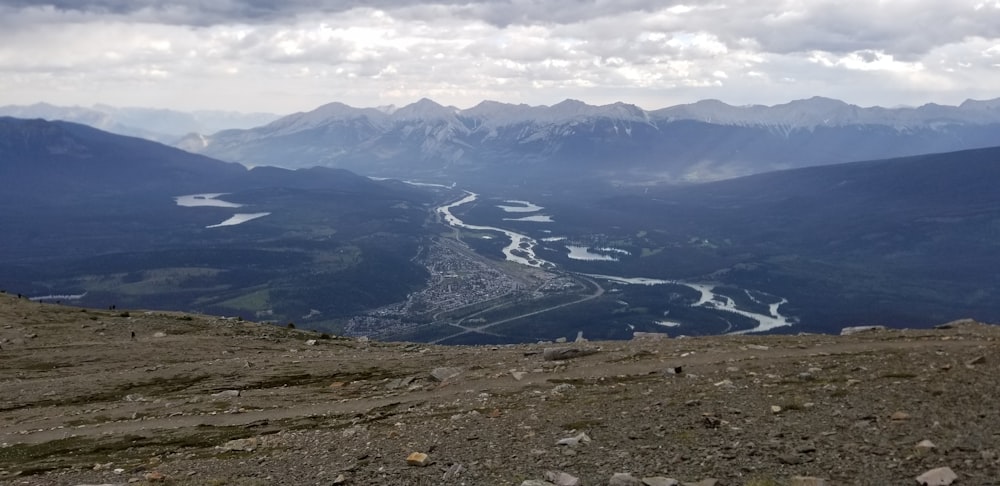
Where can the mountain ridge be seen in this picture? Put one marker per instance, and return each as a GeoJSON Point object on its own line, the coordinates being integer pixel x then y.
{"type": "Point", "coordinates": [700, 141]}
{"type": "Point", "coordinates": [157, 124]}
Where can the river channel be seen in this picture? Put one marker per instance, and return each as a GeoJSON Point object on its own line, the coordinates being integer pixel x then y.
{"type": "Point", "coordinates": [521, 249]}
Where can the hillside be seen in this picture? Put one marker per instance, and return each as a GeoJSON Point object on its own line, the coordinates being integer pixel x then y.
{"type": "Point", "coordinates": [196, 399]}
{"type": "Point", "coordinates": [151, 123]}
{"type": "Point", "coordinates": [125, 221]}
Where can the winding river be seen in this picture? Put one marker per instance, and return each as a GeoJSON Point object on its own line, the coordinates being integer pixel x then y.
{"type": "Point", "coordinates": [708, 298]}
{"type": "Point", "coordinates": [522, 250]}
{"type": "Point", "coordinates": [521, 244]}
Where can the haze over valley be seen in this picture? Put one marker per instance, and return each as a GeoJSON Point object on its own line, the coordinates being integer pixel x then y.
{"type": "Point", "coordinates": [898, 242]}
{"type": "Point", "coordinates": [497, 172]}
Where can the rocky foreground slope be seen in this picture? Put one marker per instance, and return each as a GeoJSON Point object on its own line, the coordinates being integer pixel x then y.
{"type": "Point", "coordinates": [203, 400]}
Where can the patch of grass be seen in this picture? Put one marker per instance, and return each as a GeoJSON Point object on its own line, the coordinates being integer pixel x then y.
{"type": "Point", "coordinates": [254, 301]}
{"type": "Point", "coordinates": [582, 424]}
{"type": "Point", "coordinates": [793, 404]}
{"type": "Point", "coordinates": [152, 387]}
{"type": "Point", "coordinates": [899, 375]}
{"type": "Point", "coordinates": [33, 459]}
{"type": "Point", "coordinates": [306, 379]}
{"type": "Point", "coordinates": [762, 482]}
{"type": "Point", "coordinates": [42, 365]}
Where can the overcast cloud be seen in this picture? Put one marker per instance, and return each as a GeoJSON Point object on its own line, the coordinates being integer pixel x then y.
{"type": "Point", "coordinates": [293, 55]}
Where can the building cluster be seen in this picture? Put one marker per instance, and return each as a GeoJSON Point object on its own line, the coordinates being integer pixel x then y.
{"type": "Point", "coordinates": [457, 280]}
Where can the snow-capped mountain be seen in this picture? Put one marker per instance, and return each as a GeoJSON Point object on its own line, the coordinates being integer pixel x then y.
{"type": "Point", "coordinates": [704, 140]}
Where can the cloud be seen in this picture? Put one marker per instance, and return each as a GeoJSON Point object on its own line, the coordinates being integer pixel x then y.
{"type": "Point", "coordinates": [296, 54]}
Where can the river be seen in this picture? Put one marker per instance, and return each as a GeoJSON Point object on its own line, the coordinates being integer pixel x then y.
{"type": "Point", "coordinates": [522, 244]}
{"type": "Point", "coordinates": [525, 245]}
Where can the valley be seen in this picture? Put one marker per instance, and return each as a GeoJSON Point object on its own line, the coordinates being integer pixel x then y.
{"type": "Point", "coordinates": [899, 242]}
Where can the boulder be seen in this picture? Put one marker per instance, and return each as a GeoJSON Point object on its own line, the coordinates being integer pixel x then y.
{"type": "Point", "coordinates": [560, 478]}
{"type": "Point", "coordinates": [624, 479]}
{"type": "Point", "coordinates": [660, 481]}
{"type": "Point", "coordinates": [942, 476]}
{"type": "Point", "coordinates": [847, 331]}
{"type": "Point", "coordinates": [446, 373]}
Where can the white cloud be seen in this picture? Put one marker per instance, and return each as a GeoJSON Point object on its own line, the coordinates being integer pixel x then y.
{"type": "Point", "coordinates": [295, 55]}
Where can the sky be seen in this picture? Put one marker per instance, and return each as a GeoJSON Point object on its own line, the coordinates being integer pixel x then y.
{"type": "Point", "coordinates": [294, 55]}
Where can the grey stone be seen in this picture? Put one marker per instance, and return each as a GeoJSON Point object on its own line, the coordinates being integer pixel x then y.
{"type": "Point", "coordinates": [847, 331]}
{"type": "Point", "coordinates": [956, 323]}
{"type": "Point", "coordinates": [446, 373]}
{"type": "Point", "coordinates": [400, 382]}
{"type": "Point", "coordinates": [651, 336]}
{"type": "Point", "coordinates": [559, 354]}
{"type": "Point", "coordinates": [581, 438]}
{"type": "Point", "coordinates": [624, 479]}
{"type": "Point", "coordinates": [226, 394]}
{"type": "Point", "coordinates": [240, 445]}
{"type": "Point", "coordinates": [942, 476]}
{"type": "Point", "coordinates": [536, 482]}
{"type": "Point", "coordinates": [560, 478]}
{"type": "Point", "coordinates": [660, 481]}
{"type": "Point", "coordinates": [454, 471]}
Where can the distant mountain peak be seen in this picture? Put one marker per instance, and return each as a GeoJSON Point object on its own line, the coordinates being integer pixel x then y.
{"type": "Point", "coordinates": [424, 109]}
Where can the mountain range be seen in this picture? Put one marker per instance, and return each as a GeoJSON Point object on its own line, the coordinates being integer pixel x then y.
{"type": "Point", "coordinates": [156, 124]}
{"type": "Point", "coordinates": [902, 242]}
{"type": "Point", "coordinates": [707, 140]}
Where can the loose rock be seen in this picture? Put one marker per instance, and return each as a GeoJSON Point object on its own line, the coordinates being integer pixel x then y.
{"type": "Point", "coordinates": [581, 438]}
{"type": "Point", "coordinates": [660, 481]}
{"type": "Point", "coordinates": [418, 459]}
{"type": "Point", "coordinates": [624, 479]}
{"type": "Point", "coordinates": [899, 416]}
{"type": "Point", "coordinates": [847, 331]}
{"type": "Point", "coordinates": [942, 476]}
{"type": "Point", "coordinates": [446, 373]}
{"type": "Point", "coordinates": [560, 478]}
{"type": "Point", "coordinates": [559, 354]}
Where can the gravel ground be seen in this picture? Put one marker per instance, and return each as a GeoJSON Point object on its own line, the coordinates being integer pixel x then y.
{"type": "Point", "coordinates": [203, 400]}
